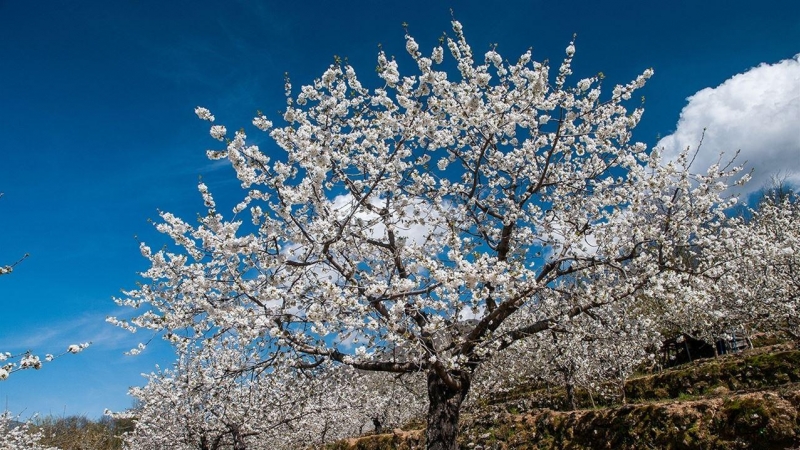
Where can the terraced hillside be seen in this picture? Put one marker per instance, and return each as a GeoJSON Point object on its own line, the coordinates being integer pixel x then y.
{"type": "Point", "coordinates": [749, 400]}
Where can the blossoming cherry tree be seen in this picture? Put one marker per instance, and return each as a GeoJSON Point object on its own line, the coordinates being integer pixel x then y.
{"type": "Point", "coordinates": [432, 222]}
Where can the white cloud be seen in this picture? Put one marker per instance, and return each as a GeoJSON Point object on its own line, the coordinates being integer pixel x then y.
{"type": "Point", "coordinates": [466, 313]}
{"type": "Point", "coordinates": [756, 112]}
{"type": "Point", "coordinates": [416, 223]}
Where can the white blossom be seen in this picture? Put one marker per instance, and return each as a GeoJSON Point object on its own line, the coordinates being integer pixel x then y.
{"type": "Point", "coordinates": [204, 114]}
{"type": "Point", "coordinates": [218, 132]}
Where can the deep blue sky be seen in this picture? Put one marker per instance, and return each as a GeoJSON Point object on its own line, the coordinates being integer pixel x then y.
{"type": "Point", "coordinates": [98, 130]}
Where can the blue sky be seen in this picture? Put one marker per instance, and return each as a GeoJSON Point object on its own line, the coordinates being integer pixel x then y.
{"type": "Point", "coordinates": [96, 114]}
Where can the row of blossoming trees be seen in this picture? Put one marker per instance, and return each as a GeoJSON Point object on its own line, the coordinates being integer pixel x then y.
{"type": "Point", "coordinates": [445, 235]}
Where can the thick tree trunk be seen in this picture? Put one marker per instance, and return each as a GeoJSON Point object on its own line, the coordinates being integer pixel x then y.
{"type": "Point", "coordinates": [376, 422]}
{"type": "Point", "coordinates": [571, 397]}
{"type": "Point", "coordinates": [238, 438]}
{"type": "Point", "coordinates": [443, 412]}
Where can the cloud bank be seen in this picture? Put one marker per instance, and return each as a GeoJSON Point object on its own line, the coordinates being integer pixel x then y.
{"type": "Point", "coordinates": [756, 112]}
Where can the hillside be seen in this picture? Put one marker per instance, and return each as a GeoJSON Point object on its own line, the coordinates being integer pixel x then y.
{"type": "Point", "coordinates": [738, 401]}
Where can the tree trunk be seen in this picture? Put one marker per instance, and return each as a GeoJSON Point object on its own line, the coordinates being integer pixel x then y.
{"type": "Point", "coordinates": [443, 411]}
{"type": "Point", "coordinates": [203, 445]}
{"type": "Point", "coordinates": [238, 438]}
{"type": "Point", "coordinates": [571, 397]}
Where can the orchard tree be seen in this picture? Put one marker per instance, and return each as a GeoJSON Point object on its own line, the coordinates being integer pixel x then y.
{"type": "Point", "coordinates": [199, 405]}
{"type": "Point", "coordinates": [597, 352]}
{"type": "Point", "coordinates": [196, 406]}
{"type": "Point", "coordinates": [15, 434]}
{"type": "Point", "coordinates": [428, 224]}
{"type": "Point", "coordinates": [346, 402]}
{"type": "Point", "coordinates": [751, 276]}
{"type": "Point", "coordinates": [760, 268]}
{"type": "Point", "coordinates": [774, 294]}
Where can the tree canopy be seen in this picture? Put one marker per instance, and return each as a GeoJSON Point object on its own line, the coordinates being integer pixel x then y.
{"type": "Point", "coordinates": [435, 223]}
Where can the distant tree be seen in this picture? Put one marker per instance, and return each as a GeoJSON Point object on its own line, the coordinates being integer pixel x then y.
{"type": "Point", "coordinates": [200, 404]}
{"type": "Point", "coordinates": [19, 435]}
{"type": "Point", "coordinates": [81, 433]}
{"type": "Point", "coordinates": [591, 353]}
{"type": "Point", "coordinates": [761, 283]}
{"type": "Point", "coordinates": [751, 278]}
{"type": "Point", "coordinates": [397, 214]}
{"type": "Point", "coordinates": [778, 190]}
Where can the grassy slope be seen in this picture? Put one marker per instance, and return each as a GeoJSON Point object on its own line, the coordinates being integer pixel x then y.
{"type": "Point", "coordinates": [743, 401]}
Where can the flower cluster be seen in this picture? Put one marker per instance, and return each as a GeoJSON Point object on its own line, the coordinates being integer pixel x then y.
{"type": "Point", "coordinates": [28, 360]}
{"type": "Point", "coordinates": [18, 434]}
{"type": "Point", "coordinates": [77, 348]}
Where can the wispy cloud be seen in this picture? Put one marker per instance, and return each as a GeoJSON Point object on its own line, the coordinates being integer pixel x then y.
{"type": "Point", "coordinates": [55, 337]}
{"type": "Point", "coordinates": [229, 59]}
